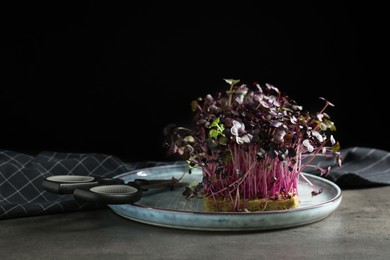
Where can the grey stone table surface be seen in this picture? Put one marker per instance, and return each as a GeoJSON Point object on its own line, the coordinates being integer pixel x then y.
{"type": "Point", "coordinates": [358, 229]}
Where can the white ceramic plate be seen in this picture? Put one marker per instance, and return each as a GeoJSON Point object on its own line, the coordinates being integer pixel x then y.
{"type": "Point", "coordinates": [170, 209]}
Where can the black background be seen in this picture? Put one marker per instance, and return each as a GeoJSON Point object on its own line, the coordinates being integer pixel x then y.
{"type": "Point", "coordinates": [108, 77]}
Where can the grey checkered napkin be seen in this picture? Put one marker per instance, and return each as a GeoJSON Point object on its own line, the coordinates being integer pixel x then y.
{"type": "Point", "coordinates": [21, 176]}
{"type": "Point", "coordinates": [361, 167]}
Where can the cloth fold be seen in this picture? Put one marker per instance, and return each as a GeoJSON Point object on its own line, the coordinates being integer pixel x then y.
{"type": "Point", "coordinates": [361, 167]}
{"type": "Point", "coordinates": [21, 176]}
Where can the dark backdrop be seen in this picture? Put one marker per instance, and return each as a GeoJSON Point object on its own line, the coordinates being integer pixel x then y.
{"type": "Point", "coordinates": [107, 78]}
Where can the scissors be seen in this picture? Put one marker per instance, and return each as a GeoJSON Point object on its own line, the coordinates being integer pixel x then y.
{"type": "Point", "coordinates": [104, 190]}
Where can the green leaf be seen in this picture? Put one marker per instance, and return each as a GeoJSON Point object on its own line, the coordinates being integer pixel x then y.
{"type": "Point", "coordinates": [215, 123]}
{"type": "Point", "coordinates": [232, 82]}
{"type": "Point", "coordinates": [194, 105]}
{"type": "Point", "coordinates": [323, 126]}
{"type": "Point", "coordinates": [214, 133]}
{"type": "Point", "coordinates": [336, 147]}
{"type": "Point", "coordinates": [189, 139]}
{"type": "Point", "coordinates": [330, 125]}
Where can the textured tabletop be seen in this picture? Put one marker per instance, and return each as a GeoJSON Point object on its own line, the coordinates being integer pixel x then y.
{"type": "Point", "coordinates": [358, 229]}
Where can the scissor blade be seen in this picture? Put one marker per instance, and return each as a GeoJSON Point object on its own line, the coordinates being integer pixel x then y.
{"type": "Point", "coordinates": [160, 183]}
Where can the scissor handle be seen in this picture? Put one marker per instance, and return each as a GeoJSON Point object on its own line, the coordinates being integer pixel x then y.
{"type": "Point", "coordinates": [66, 184]}
{"type": "Point", "coordinates": [103, 190]}
{"type": "Point", "coordinates": [109, 194]}
{"type": "Point", "coordinates": [128, 193]}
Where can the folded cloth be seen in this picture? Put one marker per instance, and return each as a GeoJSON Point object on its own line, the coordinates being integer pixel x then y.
{"type": "Point", "coordinates": [21, 176]}
{"type": "Point", "coordinates": [361, 167]}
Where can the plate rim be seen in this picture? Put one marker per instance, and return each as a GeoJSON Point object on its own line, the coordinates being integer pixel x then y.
{"type": "Point", "coordinates": [334, 200]}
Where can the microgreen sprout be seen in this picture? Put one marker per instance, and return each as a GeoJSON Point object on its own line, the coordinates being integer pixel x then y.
{"type": "Point", "coordinates": [253, 142]}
